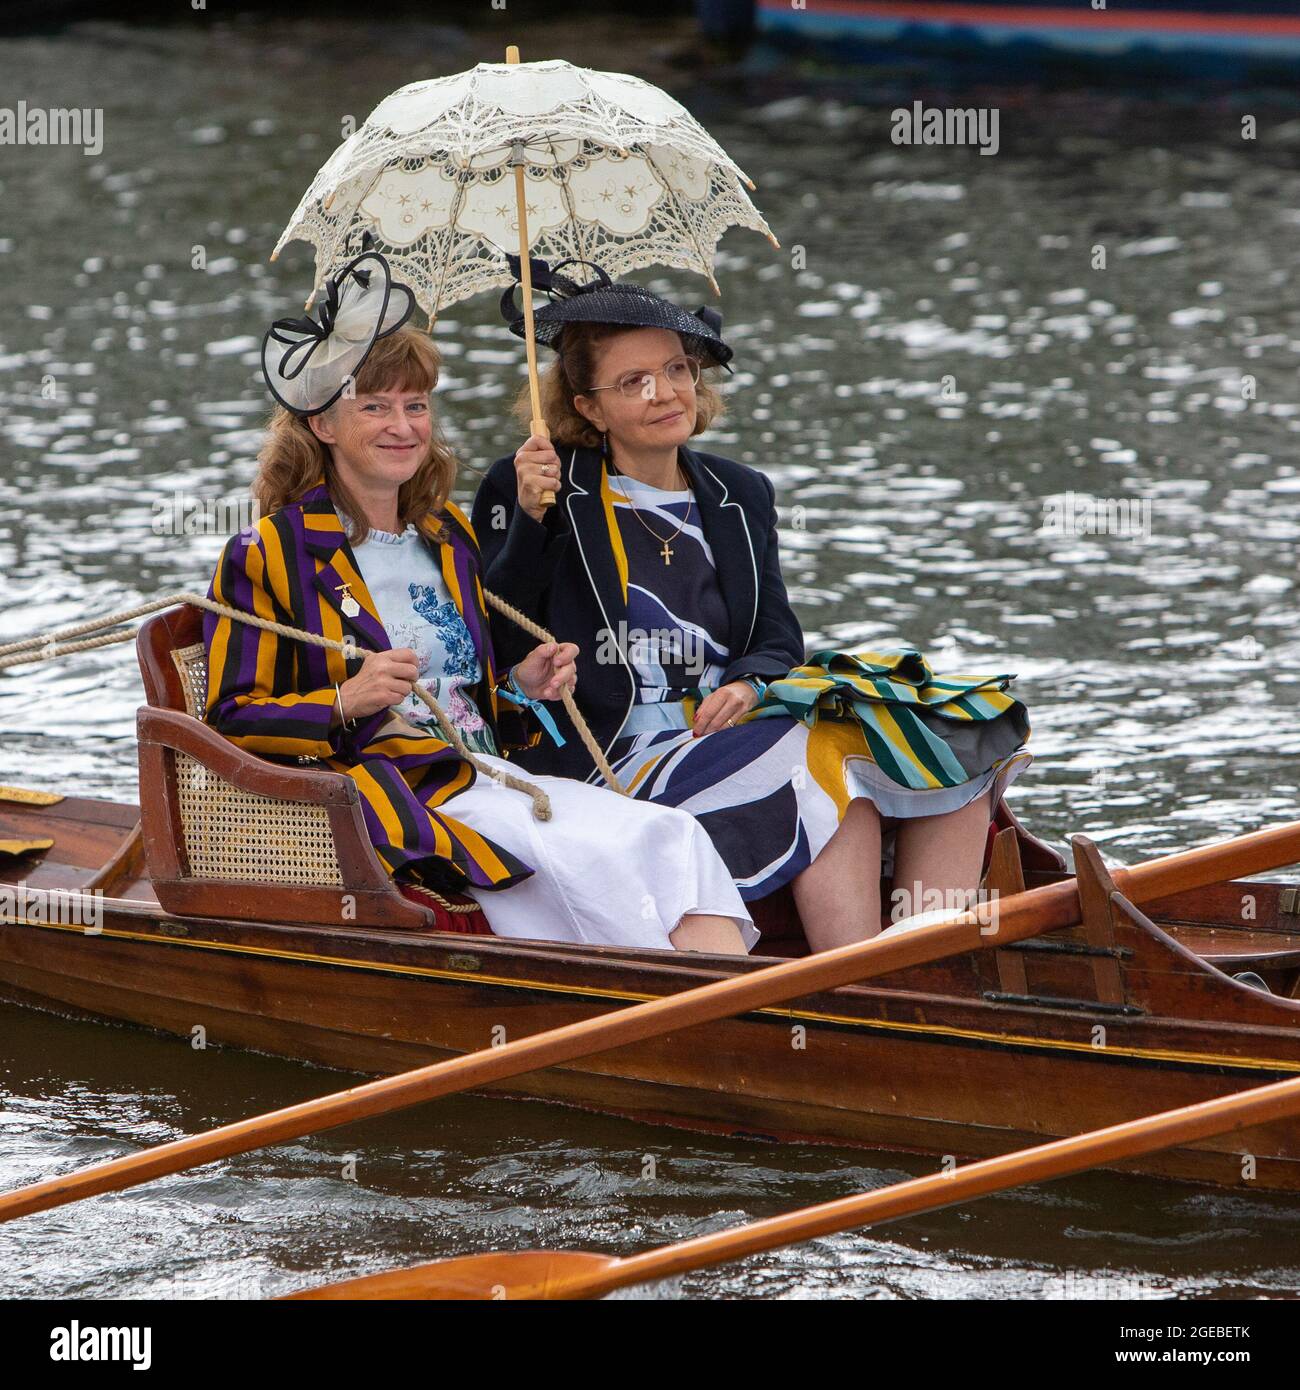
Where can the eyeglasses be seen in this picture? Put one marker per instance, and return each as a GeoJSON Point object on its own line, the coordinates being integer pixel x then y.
{"type": "Point", "coordinates": [680, 373]}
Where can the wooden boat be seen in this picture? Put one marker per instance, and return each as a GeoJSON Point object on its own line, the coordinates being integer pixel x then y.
{"type": "Point", "coordinates": [243, 898]}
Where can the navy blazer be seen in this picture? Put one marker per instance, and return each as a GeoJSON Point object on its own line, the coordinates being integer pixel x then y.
{"type": "Point", "coordinates": [562, 572]}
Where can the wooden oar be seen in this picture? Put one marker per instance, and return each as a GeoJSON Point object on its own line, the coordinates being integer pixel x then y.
{"type": "Point", "coordinates": [1019, 917]}
{"type": "Point", "coordinates": [578, 1274]}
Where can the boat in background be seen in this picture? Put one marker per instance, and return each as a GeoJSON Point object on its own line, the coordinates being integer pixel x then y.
{"type": "Point", "coordinates": [1195, 37]}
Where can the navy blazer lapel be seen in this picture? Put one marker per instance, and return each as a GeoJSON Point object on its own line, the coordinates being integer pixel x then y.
{"type": "Point", "coordinates": [735, 551]}
{"type": "Point", "coordinates": [595, 529]}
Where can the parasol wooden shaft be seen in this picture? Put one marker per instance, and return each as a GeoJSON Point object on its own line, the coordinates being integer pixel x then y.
{"type": "Point", "coordinates": [537, 425]}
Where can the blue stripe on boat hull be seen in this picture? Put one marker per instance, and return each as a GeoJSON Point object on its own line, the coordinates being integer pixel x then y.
{"type": "Point", "coordinates": [1171, 32]}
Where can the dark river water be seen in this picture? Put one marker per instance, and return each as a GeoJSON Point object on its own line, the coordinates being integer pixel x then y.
{"type": "Point", "coordinates": [950, 363]}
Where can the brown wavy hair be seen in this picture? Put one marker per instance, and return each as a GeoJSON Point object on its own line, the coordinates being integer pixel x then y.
{"type": "Point", "coordinates": [573, 369]}
{"type": "Point", "coordinates": [292, 459]}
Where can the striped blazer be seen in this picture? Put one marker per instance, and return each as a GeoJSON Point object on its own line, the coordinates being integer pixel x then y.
{"type": "Point", "coordinates": [275, 696]}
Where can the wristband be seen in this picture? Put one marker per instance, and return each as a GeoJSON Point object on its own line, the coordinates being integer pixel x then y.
{"type": "Point", "coordinates": [509, 689]}
{"type": "Point", "coordinates": [343, 719]}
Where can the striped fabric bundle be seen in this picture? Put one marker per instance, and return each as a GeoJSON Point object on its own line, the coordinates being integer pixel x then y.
{"type": "Point", "coordinates": [910, 716]}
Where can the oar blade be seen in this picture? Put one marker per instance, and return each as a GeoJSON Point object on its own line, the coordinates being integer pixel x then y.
{"type": "Point", "coordinates": [527, 1274]}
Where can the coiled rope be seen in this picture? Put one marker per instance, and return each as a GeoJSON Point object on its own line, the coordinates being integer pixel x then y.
{"type": "Point", "coordinates": [49, 645]}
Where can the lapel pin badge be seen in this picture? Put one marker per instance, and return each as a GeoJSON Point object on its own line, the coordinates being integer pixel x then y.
{"type": "Point", "coordinates": [349, 606]}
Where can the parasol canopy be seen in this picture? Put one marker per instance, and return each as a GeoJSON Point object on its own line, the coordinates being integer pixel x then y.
{"type": "Point", "coordinates": [615, 171]}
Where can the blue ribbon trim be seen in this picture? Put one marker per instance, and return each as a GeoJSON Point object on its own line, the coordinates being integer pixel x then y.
{"type": "Point", "coordinates": [511, 691]}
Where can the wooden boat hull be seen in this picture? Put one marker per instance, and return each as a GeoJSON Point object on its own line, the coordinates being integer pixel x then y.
{"type": "Point", "coordinates": [1200, 36]}
{"type": "Point", "coordinates": [942, 1059]}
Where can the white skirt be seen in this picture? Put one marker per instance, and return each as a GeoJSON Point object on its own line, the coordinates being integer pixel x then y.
{"type": "Point", "coordinates": [608, 870]}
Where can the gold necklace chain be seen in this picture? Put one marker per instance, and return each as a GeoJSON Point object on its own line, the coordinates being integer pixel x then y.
{"type": "Point", "coordinates": [666, 552]}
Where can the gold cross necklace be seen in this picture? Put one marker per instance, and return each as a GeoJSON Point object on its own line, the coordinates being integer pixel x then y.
{"type": "Point", "coordinates": [666, 552]}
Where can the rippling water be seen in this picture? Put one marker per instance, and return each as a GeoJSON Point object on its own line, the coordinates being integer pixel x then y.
{"type": "Point", "coordinates": [946, 366]}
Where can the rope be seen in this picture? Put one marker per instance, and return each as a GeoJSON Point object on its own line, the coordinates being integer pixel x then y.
{"type": "Point", "coordinates": [434, 896]}
{"type": "Point", "coordinates": [579, 723]}
{"type": "Point", "coordinates": [47, 646]}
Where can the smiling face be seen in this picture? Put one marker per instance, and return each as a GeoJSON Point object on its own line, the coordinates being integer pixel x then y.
{"type": "Point", "coordinates": [649, 420]}
{"type": "Point", "coordinates": [378, 440]}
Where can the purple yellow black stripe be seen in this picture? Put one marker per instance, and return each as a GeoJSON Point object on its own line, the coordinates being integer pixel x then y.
{"type": "Point", "coordinates": [275, 696]}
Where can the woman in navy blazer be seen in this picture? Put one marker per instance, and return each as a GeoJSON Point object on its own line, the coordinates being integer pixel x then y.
{"type": "Point", "coordinates": [661, 563]}
{"type": "Point", "coordinates": [562, 572]}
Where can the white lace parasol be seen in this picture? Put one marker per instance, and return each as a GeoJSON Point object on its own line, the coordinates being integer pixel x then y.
{"type": "Point", "coordinates": [615, 172]}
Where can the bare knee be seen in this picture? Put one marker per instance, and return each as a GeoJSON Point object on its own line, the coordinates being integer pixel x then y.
{"type": "Point", "coordinates": [719, 936]}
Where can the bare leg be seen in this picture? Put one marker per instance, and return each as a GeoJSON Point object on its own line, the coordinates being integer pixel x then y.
{"type": "Point", "coordinates": [838, 894]}
{"type": "Point", "coordinates": [939, 853]}
{"type": "Point", "coordinates": [698, 931]}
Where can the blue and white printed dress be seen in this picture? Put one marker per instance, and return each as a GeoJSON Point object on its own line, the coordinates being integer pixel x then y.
{"type": "Point", "coordinates": [606, 870]}
{"type": "Point", "coordinates": [771, 791]}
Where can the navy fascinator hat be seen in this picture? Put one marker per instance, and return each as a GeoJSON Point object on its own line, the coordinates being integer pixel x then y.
{"type": "Point", "coordinates": [602, 300]}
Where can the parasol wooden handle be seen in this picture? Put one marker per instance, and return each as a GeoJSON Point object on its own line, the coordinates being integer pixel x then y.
{"type": "Point", "coordinates": [537, 424]}
{"type": "Point", "coordinates": [539, 427]}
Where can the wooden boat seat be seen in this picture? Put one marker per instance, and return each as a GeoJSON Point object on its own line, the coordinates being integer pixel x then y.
{"type": "Point", "coordinates": [1235, 948]}
{"type": "Point", "coordinates": [228, 834]}
{"type": "Point", "coordinates": [72, 844]}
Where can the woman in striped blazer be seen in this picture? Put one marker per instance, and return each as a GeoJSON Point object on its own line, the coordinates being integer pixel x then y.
{"type": "Point", "coordinates": [358, 542]}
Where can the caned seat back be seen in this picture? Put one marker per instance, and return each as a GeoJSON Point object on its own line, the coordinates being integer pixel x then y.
{"type": "Point", "coordinates": [228, 834]}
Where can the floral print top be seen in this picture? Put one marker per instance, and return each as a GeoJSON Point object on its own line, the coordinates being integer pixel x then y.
{"type": "Point", "coordinates": [418, 611]}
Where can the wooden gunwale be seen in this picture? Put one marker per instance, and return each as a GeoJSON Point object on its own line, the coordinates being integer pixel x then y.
{"type": "Point", "coordinates": [685, 977]}
{"type": "Point", "coordinates": [892, 1060]}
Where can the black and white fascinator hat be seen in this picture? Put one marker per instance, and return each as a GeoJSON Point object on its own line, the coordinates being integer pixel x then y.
{"type": "Point", "coordinates": [602, 300]}
{"type": "Point", "coordinates": [308, 364]}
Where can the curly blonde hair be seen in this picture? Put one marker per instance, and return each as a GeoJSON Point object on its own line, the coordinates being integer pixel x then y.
{"type": "Point", "coordinates": [572, 371]}
{"type": "Point", "coordinates": [292, 459]}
